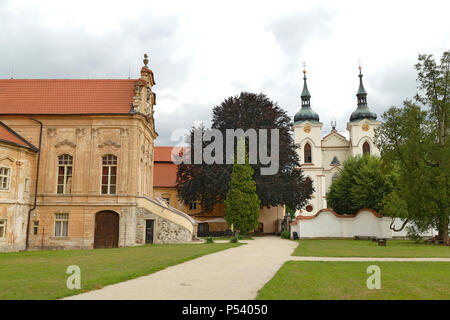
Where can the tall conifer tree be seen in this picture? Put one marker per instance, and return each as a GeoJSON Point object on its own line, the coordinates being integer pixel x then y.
{"type": "Point", "coordinates": [242, 202]}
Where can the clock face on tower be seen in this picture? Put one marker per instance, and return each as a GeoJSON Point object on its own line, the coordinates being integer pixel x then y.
{"type": "Point", "coordinates": [307, 129]}
{"type": "Point", "coordinates": [365, 127]}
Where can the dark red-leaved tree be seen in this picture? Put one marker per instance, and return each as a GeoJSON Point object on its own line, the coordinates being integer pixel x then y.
{"type": "Point", "coordinates": [209, 183]}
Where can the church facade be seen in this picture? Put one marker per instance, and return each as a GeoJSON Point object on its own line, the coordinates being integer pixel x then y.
{"type": "Point", "coordinates": [322, 157]}
{"type": "Point", "coordinates": [76, 166]}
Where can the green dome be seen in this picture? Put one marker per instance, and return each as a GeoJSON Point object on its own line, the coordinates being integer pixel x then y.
{"type": "Point", "coordinates": [363, 112]}
{"type": "Point", "coordinates": [306, 114]}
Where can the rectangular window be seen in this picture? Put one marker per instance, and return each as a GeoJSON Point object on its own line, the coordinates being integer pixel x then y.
{"type": "Point", "coordinates": [109, 174]}
{"type": "Point", "coordinates": [35, 227]}
{"type": "Point", "coordinates": [2, 229]}
{"type": "Point", "coordinates": [61, 224]}
{"type": "Point", "coordinates": [5, 174]}
{"type": "Point", "coordinates": [65, 162]}
{"type": "Point", "coordinates": [193, 205]}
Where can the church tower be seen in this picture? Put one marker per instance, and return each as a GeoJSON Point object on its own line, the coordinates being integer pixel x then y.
{"type": "Point", "coordinates": [362, 124]}
{"type": "Point", "coordinates": [307, 128]}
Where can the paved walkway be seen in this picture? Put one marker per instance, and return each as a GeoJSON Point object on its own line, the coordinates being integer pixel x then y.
{"type": "Point", "coordinates": [236, 273]}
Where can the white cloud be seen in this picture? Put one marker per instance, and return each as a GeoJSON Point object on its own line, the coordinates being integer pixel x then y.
{"type": "Point", "coordinates": [204, 51]}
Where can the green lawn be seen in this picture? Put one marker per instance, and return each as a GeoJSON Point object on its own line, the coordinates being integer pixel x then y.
{"type": "Point", "coordinates": [42, 274]}
{"type": "Point", "coordinates": [367, 248]}
{"type": "Point", "coordinates": [230, 237]}
{"type": "Point", "coordinates": [305, 280]}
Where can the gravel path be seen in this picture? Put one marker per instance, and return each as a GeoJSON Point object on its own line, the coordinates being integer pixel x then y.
{"type": "Point", "coordinates": [236, 273]}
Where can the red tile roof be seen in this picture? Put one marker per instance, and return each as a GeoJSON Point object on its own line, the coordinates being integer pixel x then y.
{"type": "Point", "coordinates": [8, 135]}
{"type": "Point", "coordinates": [163, 154]}
{"type": "Point", "coordinates": [66, 96]}
{"type": "Point", "coordinates": [165, 174]}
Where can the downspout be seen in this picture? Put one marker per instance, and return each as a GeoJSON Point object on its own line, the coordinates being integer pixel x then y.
{"type": "Point", "coordinates": [35, 184]}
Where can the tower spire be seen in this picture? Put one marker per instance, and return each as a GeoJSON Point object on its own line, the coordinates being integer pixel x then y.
{"type": "Point", "coordinates": [306, 96]}
{"type": "Point", "coordinates": [362, 94]}
{"type": "Point", "coordinates": [306, 113]}
{"type": "Point", "coordinates": [362, 112]}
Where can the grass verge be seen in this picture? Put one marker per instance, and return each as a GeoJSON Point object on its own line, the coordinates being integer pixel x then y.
{"type": "Point", "coordinates": [367, 248]}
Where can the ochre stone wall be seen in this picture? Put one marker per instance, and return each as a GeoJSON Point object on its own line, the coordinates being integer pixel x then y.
{"type": "Point", "coordinates": [87, 138]}
{"type": "Point", "coordinates": [17, 199]}
{"type": "Point", "coordinates": [164, 231]}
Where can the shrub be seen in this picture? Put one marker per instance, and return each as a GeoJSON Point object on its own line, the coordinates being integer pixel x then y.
{"type": "Point", "coordinates": [234, 240]}
{"type": "Point", "coordinates": [414, 234]}
{"type": "Point", "coordinates": [209, 240]}
{"type": "Point", "coordinates": [286, 234]}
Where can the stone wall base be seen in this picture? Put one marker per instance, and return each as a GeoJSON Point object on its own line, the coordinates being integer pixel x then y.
{"type": "Point", "coordinates": [164, 231]}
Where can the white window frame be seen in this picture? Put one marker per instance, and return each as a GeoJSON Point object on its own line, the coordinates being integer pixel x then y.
{"type": "Point", "coordinates": [108, 184]}
{"type": "Point", "coordinates": [65, 175]}
{"type": "Point", "coordinates": [5, 176]}
{"type": "Point", "coordinates": [63, 219]}
{"type": "Point", "coordinates": [3, 226]}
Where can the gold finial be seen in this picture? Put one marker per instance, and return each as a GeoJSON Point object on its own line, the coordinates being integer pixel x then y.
{"type": "Point", "coordinates": [359, 67]}
{"type": "Point", "coordinates": [145, 59]}
{"type": "Point", "coordinates": [304, 68]}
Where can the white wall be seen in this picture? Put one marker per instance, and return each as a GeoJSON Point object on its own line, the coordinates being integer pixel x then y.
{"type": "Point", "coordinates": [404, 233]}
{"type": "Point", "coordinates": [327, 224]}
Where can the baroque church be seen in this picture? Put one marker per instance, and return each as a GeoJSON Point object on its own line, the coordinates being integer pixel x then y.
{"type": "Point", "coordinates": [322, 157]}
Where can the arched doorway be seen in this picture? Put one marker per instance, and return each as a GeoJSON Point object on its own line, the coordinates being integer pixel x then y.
{"type": "Point", "coordinates": [106, 230]}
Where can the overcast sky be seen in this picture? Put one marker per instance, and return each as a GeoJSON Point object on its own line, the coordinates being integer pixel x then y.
{"type": "Point", "coordinates": [204, 51]}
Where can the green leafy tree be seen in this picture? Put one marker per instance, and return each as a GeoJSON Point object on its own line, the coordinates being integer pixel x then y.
{"type": "Point", "coordinates": [417, 140]}
{"type": "Point", "coordinates": [291, 212]}
{"type": "Point", "coordinates": [242, 202]}
{"type": "Point", "coordinates": [363, 183]}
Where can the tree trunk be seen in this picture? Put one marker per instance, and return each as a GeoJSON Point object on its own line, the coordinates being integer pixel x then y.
{"type": "Point", "coordinates": [443, 232]}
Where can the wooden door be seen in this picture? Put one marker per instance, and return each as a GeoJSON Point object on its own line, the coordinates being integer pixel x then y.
{"type": "Point", "coordinates": [203, 230]}
{"type": "Point", "coordinates": [149, 227]}
{"type": "Point", "coordinates": [106, 230]}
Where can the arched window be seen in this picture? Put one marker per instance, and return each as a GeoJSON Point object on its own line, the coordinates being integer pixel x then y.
{"type": "Point", "coordinates": [65, 163]}
{"type": "Point", "coordinates": [308, 182]}
{"type": "Point", "coordinates": [109, 174]}
{"type": "Point", "coordinates": [334, 177]}
{"type": "Point", "coordinates": [366, 148]}
{"type": "Point", "coordinates": [307, 153]}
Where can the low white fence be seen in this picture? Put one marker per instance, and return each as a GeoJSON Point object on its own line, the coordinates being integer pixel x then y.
{"type": "Point", "coordinates": [366, 222]}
